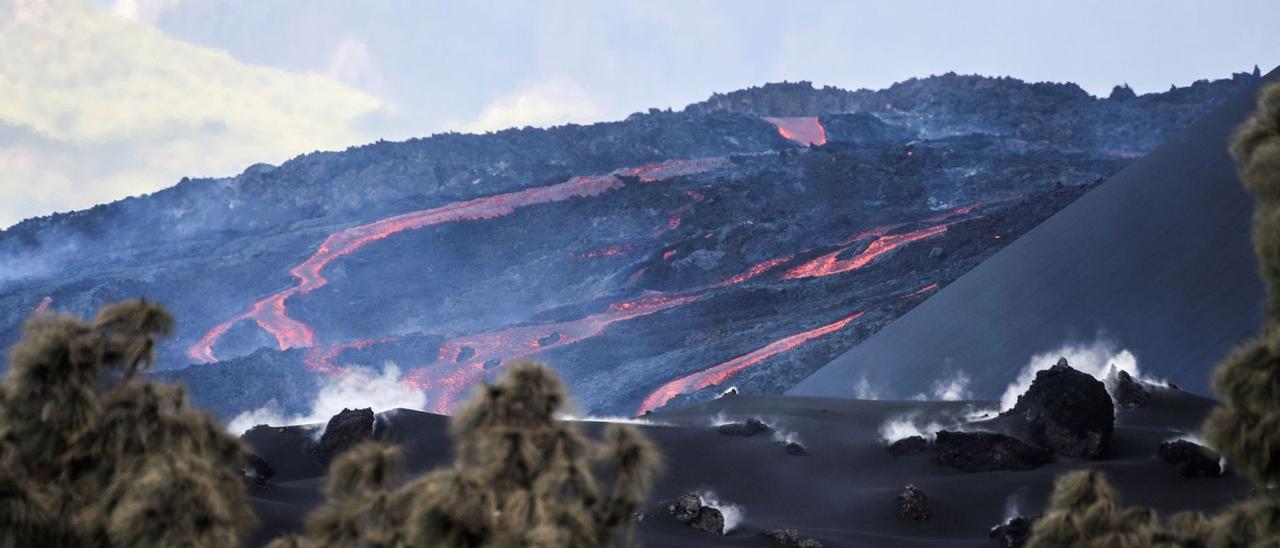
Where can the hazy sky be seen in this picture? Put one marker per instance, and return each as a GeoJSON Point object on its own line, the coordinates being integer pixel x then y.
{"type": "Point", "coordinates": [100, 100]}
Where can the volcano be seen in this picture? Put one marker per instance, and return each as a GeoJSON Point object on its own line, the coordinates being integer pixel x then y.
{"type": "Point", "coordinates": [745, 240]}
{"type": "Point", "coordinates": [1156, 261]}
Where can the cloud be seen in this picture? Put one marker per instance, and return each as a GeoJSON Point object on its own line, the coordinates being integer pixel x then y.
{"type": "Point", "coordinates": [357, 388]}
{"type": "Point", "coordinates": [549, 103]}
{"type": "Point", "coordinates": [108, 106]}
{"type": "Point", "coordinates": [143, 11]}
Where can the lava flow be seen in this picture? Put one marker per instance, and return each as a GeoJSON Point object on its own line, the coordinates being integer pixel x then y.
{"type": "Point", "coordinates": [806, 130]}
{"type": "Point", "coordinates": [271, 313]}
{"type": "Point", "coordinates": [831, 263]}
{"type": "Point", "coordinates": [446, 379]}
{"type": "Point", "coordinates": [45, 304]}
{"type": "Point", "coordinates": [724, 371]}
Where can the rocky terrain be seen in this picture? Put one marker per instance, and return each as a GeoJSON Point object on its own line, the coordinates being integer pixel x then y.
{"type": "Point", "coordinates": [746, 470]}
{"type": "Point", "coordinates": [1156, 262]}
{"type": "Point", "coordinates": [746, 240]}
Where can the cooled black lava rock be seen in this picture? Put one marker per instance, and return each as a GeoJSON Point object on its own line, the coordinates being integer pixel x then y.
{"type": "Point", "coordinates": [710, 520]}
{"type": "Point", "coordinates": [987, 452]}
{"type": "Point", "coordinates": [1067, 411]}
{"type": "Point", "coordinates": [689, 510]}
{"type": "Point", "coordinates": [1130, 394]}
{"type": "Point", "coordinates": [750, 428]}
{"type": "Point", "coordinates": [795, 449]}
{"type": "Point", "coordinates": [1196, 460]}
{"type": "Point", "coordinates": [1013, 533]}
{"type": "Point", "coordinates": [256, 469]}
{"type": "Point", "coordinates": [908, 446]}
{"type": "Point", "coordinates": [791, 537]}
{"type": "Point", "coordinates": [686, 508]}
{"type": "Point", "coordinates": [913, 504]}
{"type": "Point", "coordinates": [345, 430]}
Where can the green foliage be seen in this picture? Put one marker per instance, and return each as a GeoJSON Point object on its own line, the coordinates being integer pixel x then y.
{"type": "Point", "coordinates": [1245, 427]}
{"type": "Point", "coordinates": [520, 478]}
{"type": "Point", "coordinates": [93, 457]}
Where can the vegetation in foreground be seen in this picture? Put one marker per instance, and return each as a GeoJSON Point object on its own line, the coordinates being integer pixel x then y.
{"type": "Point", "coordinates": [1084, 511]}
{"type": "Point", "coordinates": [520, 478]}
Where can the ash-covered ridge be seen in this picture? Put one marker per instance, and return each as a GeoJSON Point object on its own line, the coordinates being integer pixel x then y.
{"type": "Point", "coordinates": [745, 240]}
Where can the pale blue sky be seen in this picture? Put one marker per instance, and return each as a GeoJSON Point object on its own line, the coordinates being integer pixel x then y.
{"type": "Point", "coordinates": [277, 78]}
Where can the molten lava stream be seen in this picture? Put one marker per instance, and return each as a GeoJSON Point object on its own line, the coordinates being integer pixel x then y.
{"type": "Point", "coordinates": [831, 263]}
{"type": "Point", "coordinates": [725, 371]}
{"type": "Point", "coordinates": [321, 358]}
{"type": "Point", "coordinates": [271, 313]}
{"type": "Point", "coordinates": [446, 379]}
{"type": "Point", "coordinates": [806, 130]}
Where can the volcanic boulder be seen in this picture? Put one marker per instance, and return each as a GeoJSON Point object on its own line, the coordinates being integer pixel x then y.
{"type": "Point", "coordinates": [987, 452]}
{"type": "Point", "coordinates": [1196, 460]}
{"type": "Point", "coordinates": [1067, 411]}
{"type": "Point", "coordinates": [913, 504]}
{"type": "Point", "coordinates": [747, 429]}
{"type": "Point", "coordinates": [910, 445]}
{"type": "Point", "coordinates": [256, 470]}
{"type": "Point", "coordinates": [345, 430]}
{"type": "Point", "coordinates": [686, 508]}
{"type": "Point", "coordinates": [1013, 533]}
{"type": "Point", "coordinates": [795, 449]}
{"type": "Point", "coordinates": [710, 520]}
{"type": "Point", "coordinates": [791, 537]}
{"type": "Point", "coordinates": [689, 510]}
{"type": "Point", "coordinates": [1130, 394]}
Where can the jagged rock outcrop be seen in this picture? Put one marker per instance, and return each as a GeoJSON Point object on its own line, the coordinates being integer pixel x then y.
{"type": "Point", "coordinates": [1194, 460]}
{"type": "Point", "coordinates": [908, 446]}
{"type": "Point", "coordinates": [791, 537]}
{"type": "Point", "coordinates": [913, 504]}
{"type": "Point", "coordinates": [747, 429]}
{"type": "Point", "coordinates": [1129, 392]}
{"type": "Point", "coordinates": [987, 452]}
{"type": "Point", "coordinates": [345, 430]}
{"type": "Point", "coordinates": [1013, 533]}
{"type": "Point", "coordinates": [1067, 411]}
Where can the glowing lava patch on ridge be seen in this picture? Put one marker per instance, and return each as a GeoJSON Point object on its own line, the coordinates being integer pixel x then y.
{"type": "Point", "coordinates": [806, 130]}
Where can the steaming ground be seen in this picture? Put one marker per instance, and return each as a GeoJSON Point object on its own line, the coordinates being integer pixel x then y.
{"type": "Point", "coordinates": [843, 492]}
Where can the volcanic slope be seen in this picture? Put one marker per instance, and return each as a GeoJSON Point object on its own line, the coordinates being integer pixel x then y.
{"type": "Point", "coordinates": [650, 260]}
{"type": "Point", "coordinates": [1155, 260]}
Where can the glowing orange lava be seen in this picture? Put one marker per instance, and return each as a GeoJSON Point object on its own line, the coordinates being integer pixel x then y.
{"type": "Point", "coordinates": [724, 371]}
{"type": "Point", "coordinates": [608, 251]}
{"type": "Point", "coordinates": [271, 314]}
{"type": "Point", "coordinates": [806, 130]}
{"type": "Point", "coordinates": [446, 379]}
{"type": "Point", "coordinates": [831, 263]}
{"type": "Point", "coordinates": [321, 358]}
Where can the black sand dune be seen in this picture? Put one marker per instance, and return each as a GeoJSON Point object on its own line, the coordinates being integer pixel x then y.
{"type": "Point", "coordinates": [843, 492]}
{"type": "Point", "coordinates": [1157, 259]}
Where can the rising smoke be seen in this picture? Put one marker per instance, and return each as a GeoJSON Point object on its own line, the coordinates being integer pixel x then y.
{"type": "Point", "coordinates": [358, 388]}
{"type": "Point", "coordinates": [1100, 359]}
{"type": "Point", "coordinates": [733, 513]}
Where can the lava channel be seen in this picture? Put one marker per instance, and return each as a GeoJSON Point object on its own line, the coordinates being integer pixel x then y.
{"type": "Point", "coordinates": [271, 313]}
{"type": "Point", "coordinates": [445, 379]}
{"type": "Point", "coordinates": [806, 130]}
{"type": "Point", "coordinates": [724, 371]}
